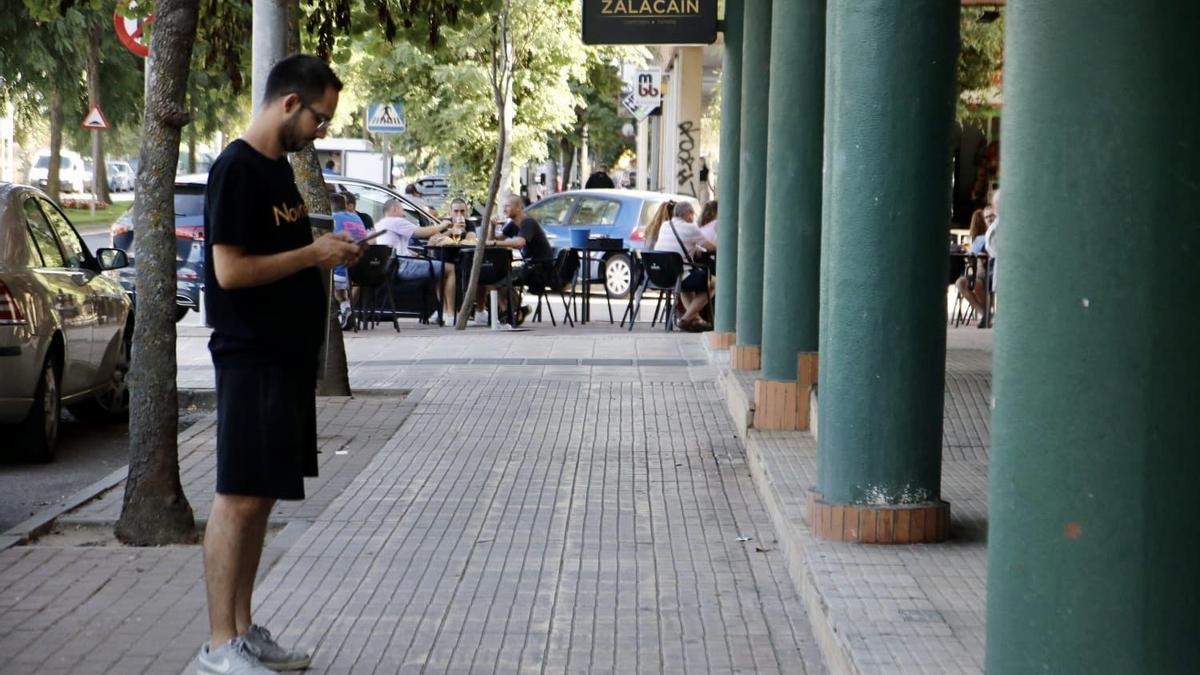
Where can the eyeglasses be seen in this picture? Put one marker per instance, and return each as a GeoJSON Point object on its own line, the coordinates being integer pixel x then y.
{"type": "Point", "coordinates": [322, 119]}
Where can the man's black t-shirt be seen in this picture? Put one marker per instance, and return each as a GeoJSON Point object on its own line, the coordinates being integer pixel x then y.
{"type": "Point", "coordinates": [537, 246]}
{"type": "Point", "coordinates": [252, 202]}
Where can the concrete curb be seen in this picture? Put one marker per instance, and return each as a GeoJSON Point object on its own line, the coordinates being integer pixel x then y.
{"type": "Point", "coordinates": [835, 652]}
{"type": "Point", "coordinates": [42, 521]}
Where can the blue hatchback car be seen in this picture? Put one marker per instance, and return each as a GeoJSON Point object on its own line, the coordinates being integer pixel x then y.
{"type": "Point", "coordinates": [618, 214]}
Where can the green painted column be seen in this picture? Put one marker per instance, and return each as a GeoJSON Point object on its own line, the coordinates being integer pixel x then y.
{"type": "Point", "coordinates": [795, 133]}
{"type": "Point", "coordinates": [1094, 543]}
{"type": "Point", "coordinates": [752, 178]}
{"type": "Point", "coordinates": [883, 341]}
{"type": "Point", "coordinates": [731, 122]}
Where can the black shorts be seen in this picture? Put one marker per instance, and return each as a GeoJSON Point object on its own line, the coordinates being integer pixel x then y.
{"type": "Point", "coordinates": [696, 280]}
{"type": "Point", "coordinates": [266, 430]}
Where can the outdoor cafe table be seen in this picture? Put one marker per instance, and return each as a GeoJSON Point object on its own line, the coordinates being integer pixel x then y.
{"type": "Point", "coordinates": [583, 311]}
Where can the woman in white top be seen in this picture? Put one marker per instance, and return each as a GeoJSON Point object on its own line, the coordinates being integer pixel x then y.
{"type": "Point", "coordinates": [708, 221]}
{"type": "Point", "coordinates": [681, 235]}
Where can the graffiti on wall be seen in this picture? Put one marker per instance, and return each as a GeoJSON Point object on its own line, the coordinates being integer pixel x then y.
{"type": "Point", "coordinates": [685, 160]}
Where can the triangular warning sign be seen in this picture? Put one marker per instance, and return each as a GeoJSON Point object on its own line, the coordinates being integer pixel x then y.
{"type": "Point", "coordinates": [95, 119]}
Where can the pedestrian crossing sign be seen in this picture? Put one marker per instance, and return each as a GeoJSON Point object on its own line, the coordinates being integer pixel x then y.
{"type": "Point", "coordinates": [386, 118]}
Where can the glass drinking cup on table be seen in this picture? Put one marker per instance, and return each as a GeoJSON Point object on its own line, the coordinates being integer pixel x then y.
{"type": "Point", "coordinates": [456, 233]}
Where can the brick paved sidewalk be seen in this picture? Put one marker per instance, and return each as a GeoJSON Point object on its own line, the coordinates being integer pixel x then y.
{"type": "Point", "coordinates": [132, 610]}
{"type": "Point", "coordinates": [589, 522]}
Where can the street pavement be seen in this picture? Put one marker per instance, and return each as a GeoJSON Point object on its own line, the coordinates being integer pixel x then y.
{"type": "Point", "coordinates": [556, 500]}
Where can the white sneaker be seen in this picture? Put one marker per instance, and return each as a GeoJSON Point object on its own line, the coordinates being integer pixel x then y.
{"type": "Point", "coordinates": [272, 655]}
{"type": "Point", "coordinates": [236, 657]}
{"type": "Point", "coordinates": [481, 318]}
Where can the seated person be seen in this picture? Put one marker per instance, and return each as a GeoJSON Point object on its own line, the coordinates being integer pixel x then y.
{"type": "Point", "coordinates": [352, 205]}
{"type": "Point", "coordinates": [398, 233]}
{"type": "Point", "coordinates": [980, 220]}
{"type": "Point", "coordinates": [708, 221]}
{"type": "Point", "coordinates": [348, 222]}
{"type": "Point", "coordinates": [661, 215]}
{"type": "Point", "coordinates": [525, 234]}
{"type": "Point", "coordinates": [681, 235]}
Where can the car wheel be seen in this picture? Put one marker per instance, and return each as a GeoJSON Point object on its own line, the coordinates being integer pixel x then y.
{"type": "Point", "coordinates": [618, 275]}
{"type": "Point", "coordinates": [112, 403]}
{"type": "Point", "coordinates": [38, 433]}
{"type": "Point", "coordinates": [180, 313]}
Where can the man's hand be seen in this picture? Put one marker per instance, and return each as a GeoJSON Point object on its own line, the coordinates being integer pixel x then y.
{"type": "Point", "coordinates": [336, 248]}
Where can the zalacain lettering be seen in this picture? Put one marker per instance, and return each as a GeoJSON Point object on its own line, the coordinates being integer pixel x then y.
{"type": "Point", "coordinates": [289, 214]}
{"type": "Point", "coordinates": [651, 7]}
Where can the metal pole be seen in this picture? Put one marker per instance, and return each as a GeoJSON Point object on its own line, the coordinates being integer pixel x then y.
{"type": "Point", "coordinates": [95, 170]}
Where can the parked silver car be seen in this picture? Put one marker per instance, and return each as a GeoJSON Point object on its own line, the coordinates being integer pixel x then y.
{"type": "Point", "coordinates": [65, 327]}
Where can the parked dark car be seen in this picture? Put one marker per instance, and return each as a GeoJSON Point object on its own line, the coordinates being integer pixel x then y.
{"type": "Point", "coordinates": [189, 231]}
{"type": "Point", "coordinates": [619, 214]}
{"type": "Point", "coordinates": [65, 326]}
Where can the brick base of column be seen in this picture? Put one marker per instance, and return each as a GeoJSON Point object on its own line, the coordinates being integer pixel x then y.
{"type": "Point", "coordinates": [719, 340]}
{"type": "Point", "coordinates": [745, 358]}
{"type": "Point", "coordinates": [866, 524]}
{"type": "Point", "coordinates": [776, 405]}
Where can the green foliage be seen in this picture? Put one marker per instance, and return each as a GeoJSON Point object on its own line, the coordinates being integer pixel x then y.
{"type": "Point", "coordinates": [121, 95]}
{"type": "Point", "coordinates": [447, 93]}
{"type": "Point", "coordinates": [419, 22]}
{"type": "Point", "coordinates": [40, 49]}
{"type": "Point", "coordinates": [980, 59]}
{"type": "Point", "coordinates": [600, 91]}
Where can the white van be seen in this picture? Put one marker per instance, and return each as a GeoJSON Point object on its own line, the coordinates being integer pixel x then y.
{"type": "Point", "coordinates": [73, 175]}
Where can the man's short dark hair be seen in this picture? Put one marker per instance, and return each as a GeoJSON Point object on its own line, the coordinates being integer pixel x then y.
{"type": "Point", "coordinates": [305, 75]}
{"type": "Point", "coordinates": [351, 198]}
{"type": "Point", "coordinates": [337, 200]}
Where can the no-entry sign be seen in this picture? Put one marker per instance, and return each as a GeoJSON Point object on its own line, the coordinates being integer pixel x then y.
{"type": "Point", "coordinates": [132, 31]}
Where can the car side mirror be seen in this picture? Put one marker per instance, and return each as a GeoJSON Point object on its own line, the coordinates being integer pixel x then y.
{"type": "Point", "coordinates": [112, 258]}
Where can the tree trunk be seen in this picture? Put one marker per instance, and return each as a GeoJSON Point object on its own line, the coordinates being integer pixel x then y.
{"type": "Point", "coordinates": [191, 139]}
{"type": "Point", "coordinates": [501, 95]}
{"type": "Point", "coordinates": [155, 510]}
{"type": "Point", "coordinates": [508, 182]}
{"type": "Point", "coordinates": [99, 169]}
{"type": "Point", "coordinates": [333, 377]}
{"type": "Point", "coordinates": [568, 165]}
{"type": "Point", "coordinates": [53, 175]}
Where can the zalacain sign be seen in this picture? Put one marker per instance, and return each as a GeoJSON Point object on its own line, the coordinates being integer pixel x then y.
{"type": "Point", "coordinates": [644, 22]}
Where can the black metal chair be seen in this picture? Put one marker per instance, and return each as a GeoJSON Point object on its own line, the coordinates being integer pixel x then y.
{"type": "Point", "coordinates": [557, 275]}
{"type": "Point", "coordinates": [495, 271]}
{"type": "Point", "coordinates": [662, 272]}
{"type": "Point", "coordinates": [372, 274]}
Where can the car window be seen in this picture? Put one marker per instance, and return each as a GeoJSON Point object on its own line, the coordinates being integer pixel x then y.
{"type": "Point", "coordinates": [189, 201]}
{"type": "Point", "coordinates": [33, 258]}
{"type": "Point", "coordinates": [594, 211]}
{"type": "Point", "coordinates": [43, 236]}
{"type": "Point", "coordinates": [370, 200]}
{"type": "Point", "coordinates": [72, 245]}
{"type": "Point", "coordinates": [553, 211]}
